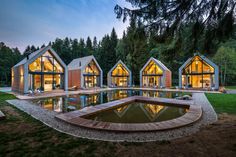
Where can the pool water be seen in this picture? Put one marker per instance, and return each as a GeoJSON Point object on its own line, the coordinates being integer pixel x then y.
{"type": "Point", "coordinates": [138, 112]}
{"type": "Point", "coordinates": [76, 102]}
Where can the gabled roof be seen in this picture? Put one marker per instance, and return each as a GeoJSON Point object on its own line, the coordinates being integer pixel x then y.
{"type": "Point", "coordinates": [81, 63]}
{"type": "Point", "coordinates": [159, 63]}
{"type": "Point", "coordinates": [36, 54]}
{"type": "Point", "coordinates": [208, 61]}
{"type": "Point", "coordinates": [122, 63]}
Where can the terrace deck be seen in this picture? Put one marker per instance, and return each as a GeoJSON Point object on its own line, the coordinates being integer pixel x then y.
{"type": "Point", "coordinates": [76, 117]}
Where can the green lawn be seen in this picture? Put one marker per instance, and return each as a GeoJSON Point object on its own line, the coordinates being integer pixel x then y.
{"type": "Point", "coordinates": [22, 135]}
{"type": "Point", "coordinates": [223, 103]}
{"type": "Point", "coordinates": [230, 87]}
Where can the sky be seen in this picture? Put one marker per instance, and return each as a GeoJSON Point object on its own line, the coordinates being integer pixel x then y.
{"type": "Point", "coordinates": [36, 22]}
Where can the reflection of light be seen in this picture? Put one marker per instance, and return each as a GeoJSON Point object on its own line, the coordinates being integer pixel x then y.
{"type": "Point", "coordinates": [154, 108]}
{"type": "Point", "coordinates": [121, 108]}
{"type": "Point", "coordinates": [196, 62]}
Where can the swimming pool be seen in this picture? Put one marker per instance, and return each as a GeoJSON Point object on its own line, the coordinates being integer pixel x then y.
{"type": "Point", "coordinates": [139, 112]}
{"type": "Point", "coordinates": [79, 101]}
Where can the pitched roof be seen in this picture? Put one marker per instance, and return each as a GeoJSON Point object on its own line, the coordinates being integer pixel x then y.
{"type": "Point", "coordinates": [23, 61]}
{"type": "Point", "coordinates": [204, 58]}
{"type": "Point", "coordinates": [80, 63]}
{"type": "Point", "coordinates": [159, 63]}
{"type": "Point", "coordinates": [122, 63]}
{"type": "Point", "coordinates": [39, 52]}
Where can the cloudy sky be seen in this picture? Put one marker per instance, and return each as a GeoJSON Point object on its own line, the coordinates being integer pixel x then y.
{"type": "Point", "coordinates": [36, 22]}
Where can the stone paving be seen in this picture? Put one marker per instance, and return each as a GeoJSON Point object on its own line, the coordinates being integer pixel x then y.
{"type": "Point", "coordinates": [96, 90]}
{"type": "Point", "coordinates": [48, 118]}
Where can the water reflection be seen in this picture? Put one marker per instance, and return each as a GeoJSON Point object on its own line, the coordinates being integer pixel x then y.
{"type": "Point", "coordinates": [75, 102]}
{"type": "Point", "coordinates": [138, 113]}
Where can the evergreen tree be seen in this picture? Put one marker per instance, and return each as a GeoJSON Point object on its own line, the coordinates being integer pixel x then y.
{"type": "Point", "coordinates": [95, 43]}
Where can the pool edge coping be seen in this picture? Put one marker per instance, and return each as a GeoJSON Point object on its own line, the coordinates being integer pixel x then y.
{"type": "Point", "coordinates": [76, 117]}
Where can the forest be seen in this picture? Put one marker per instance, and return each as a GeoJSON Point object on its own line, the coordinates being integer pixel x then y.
{"type": "Point", "coordinates": [170, 31]}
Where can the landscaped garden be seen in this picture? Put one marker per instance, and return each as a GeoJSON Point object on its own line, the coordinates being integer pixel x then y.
{"type": "Point", "coordinates": [21, 135]}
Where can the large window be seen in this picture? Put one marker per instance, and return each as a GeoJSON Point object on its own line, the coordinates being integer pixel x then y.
{"type": "Point", "coordinates": [45, 63]}
{"type": "Point", "coordinates": [46, 73]}
{"type": "Point", "coordinates": [120, 76]}
{"type": "Point", "coordinates": [92, 69]}
{"type": "Point", "coordinates": [152, 69]}
{"type": "Point", "coordinates": [91, 75]}
{"type": "Point", "coordinates": [198, 74]}
{"type": "Point", "coordinates": [120, 70]}
{"type": "Point", "coordinates": [151, 75]}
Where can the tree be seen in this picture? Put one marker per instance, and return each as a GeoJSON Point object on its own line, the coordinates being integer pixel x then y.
{"type": "Point", "coordinates": [89, 47]}
{"type": "Point", "coordinates": [8, 58]}
{"type": "Point", "coordinates": [95, 43]}
{"type": "Point", "coordinates": [225, 58]}
{"type": "Point", "coordinates": [209, 21]}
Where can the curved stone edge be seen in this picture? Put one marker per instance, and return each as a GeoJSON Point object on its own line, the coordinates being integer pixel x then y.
{"type": "Point", "coordinates": [194, 114]}
{"type": "Point", "coordinates": [46, 117]}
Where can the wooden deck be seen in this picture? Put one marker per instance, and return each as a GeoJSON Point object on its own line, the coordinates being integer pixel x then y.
{"type": "Point", "coordinates": [2, 115]}
{"type": "Point", "coordinates": [76, 117]}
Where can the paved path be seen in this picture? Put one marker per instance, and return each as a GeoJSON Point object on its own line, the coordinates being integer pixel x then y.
{"type": "Point", "coordinates": [92, 91]}
{"type": "Point", "coordinates": [231, 91]}
{"type": "Point", "coordinates": [48, 118]}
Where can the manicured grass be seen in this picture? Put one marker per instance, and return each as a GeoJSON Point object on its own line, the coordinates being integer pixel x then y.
{"type": "Point", "coordinates": [223, 103]}
{"type": "Point", "coordinates": [230, 87]}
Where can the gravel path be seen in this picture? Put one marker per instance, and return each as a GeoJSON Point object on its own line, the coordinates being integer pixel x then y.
{"type": "Point", "coordinates": [48, 118]}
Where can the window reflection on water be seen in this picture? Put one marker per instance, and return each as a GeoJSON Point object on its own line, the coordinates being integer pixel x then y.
{"type": "Point", "coordinates": [76, 102]}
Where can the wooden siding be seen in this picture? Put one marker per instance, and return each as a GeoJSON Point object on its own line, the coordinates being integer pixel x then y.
{"type": "Point", "coordinates": [74, 78]}
{"type": "Point", "coordinates": [168, 79]}
{"type": "Point", "coordinates": [18, 79]}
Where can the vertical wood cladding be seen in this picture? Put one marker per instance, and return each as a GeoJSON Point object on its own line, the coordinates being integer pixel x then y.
{"type": "Point", "coordinates": [18, 79]}
{"type": "Point", "coordinates": [74, 78]}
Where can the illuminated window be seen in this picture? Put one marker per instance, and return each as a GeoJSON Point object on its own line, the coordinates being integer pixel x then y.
{"type": "Point", "coordinates": [152, 69]}
{"type": "Point", "coordinates": [36, 65]}
{"type": "Point", "coordinates": [120, 70]}
{"type": "Point", "coordinates": [92, 68]}
{"type": "Point", "coordinates": [45, 63]}
{"type": "Point", "coordinates": [45, 73]}
{"type": "Point", "coordinates": [198, 74]}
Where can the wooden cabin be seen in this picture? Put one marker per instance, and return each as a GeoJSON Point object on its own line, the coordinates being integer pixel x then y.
{"type": "Point", "coordinates": [155, 74]}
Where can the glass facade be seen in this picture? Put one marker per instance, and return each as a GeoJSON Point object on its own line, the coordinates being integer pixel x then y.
{"type": "Point", "coordinates": [120, 76]}
{"type": "Point", "coordinates": [45, 73]}
{"type": "Point", "coordinates": [198, 74]}
{"type": "Point", "coordinates": [151, 75]}
{"type": "Point", "coordinates": [91, 75]}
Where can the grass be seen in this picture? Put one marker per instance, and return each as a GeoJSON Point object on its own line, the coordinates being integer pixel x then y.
{"type": "Point", "coordinates": [21, 135]}
{"type": "Point", "coordinates": [230, 87]}
{"type": "Point", "coordinates": [223, 103]}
